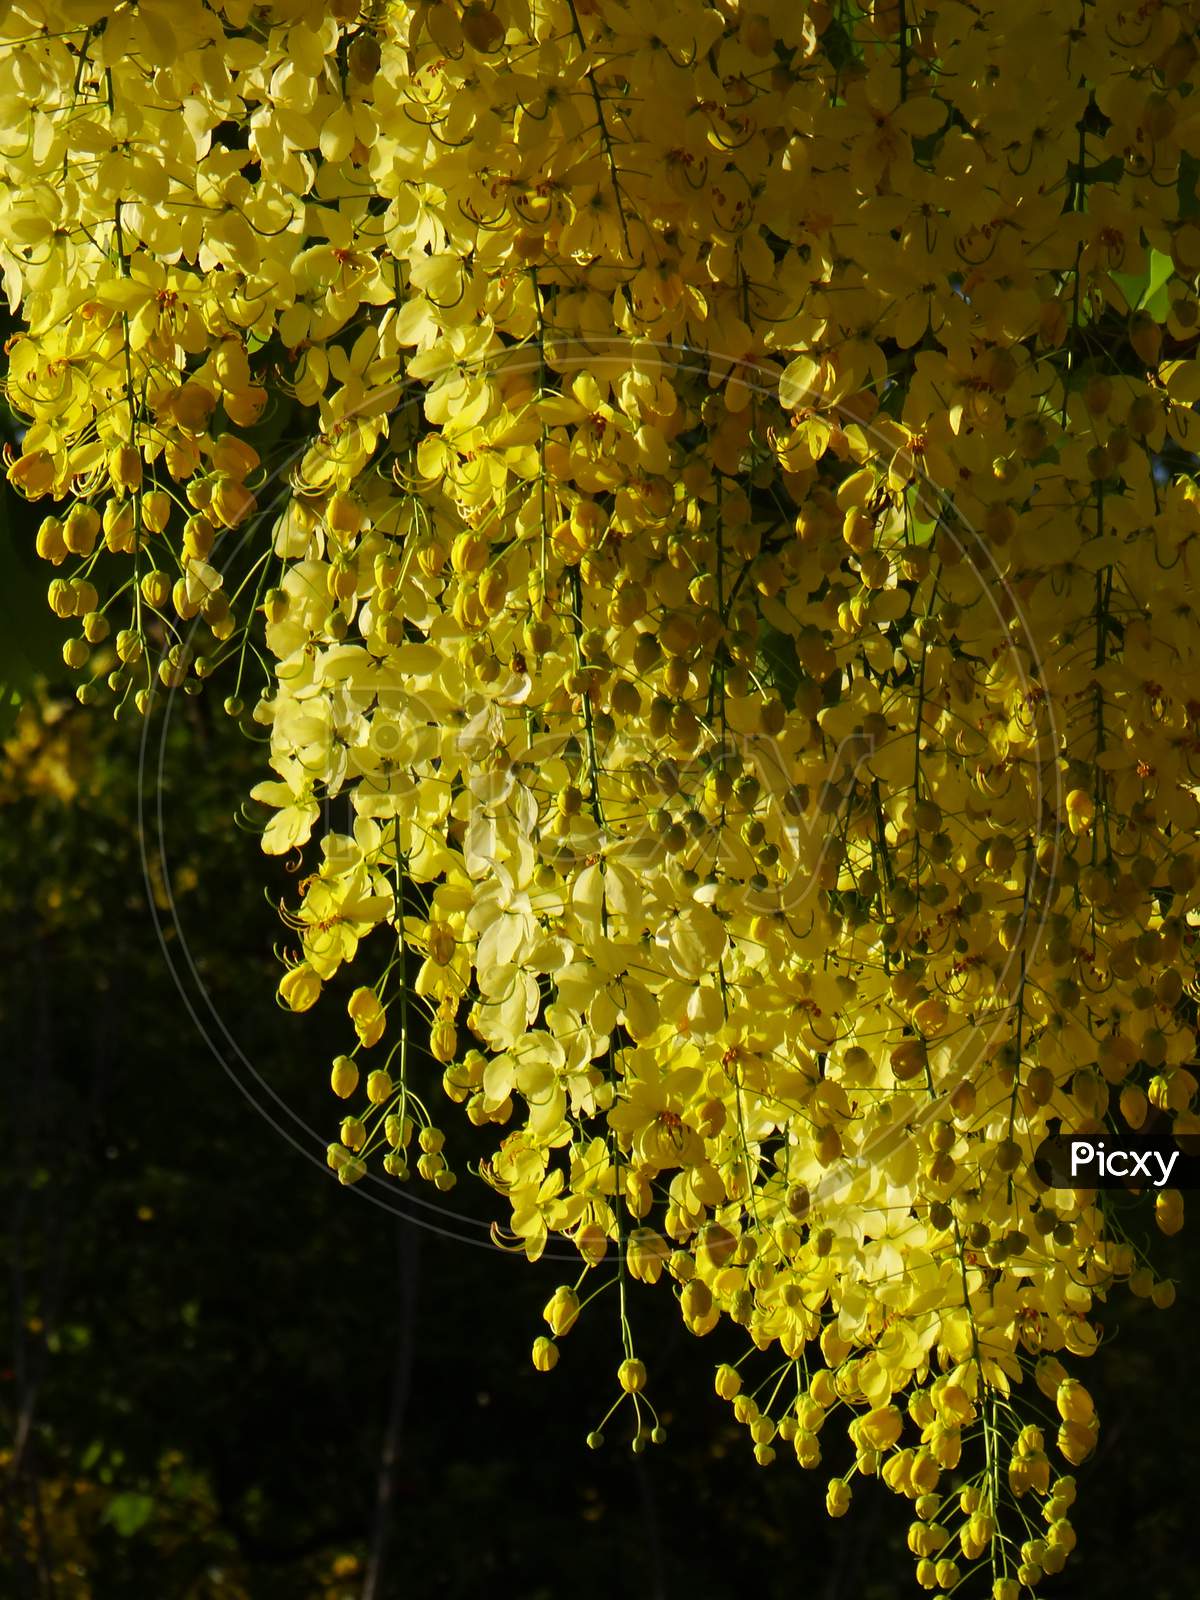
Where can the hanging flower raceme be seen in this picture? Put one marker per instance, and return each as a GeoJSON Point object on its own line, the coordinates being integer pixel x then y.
{"type": "Point", "coordinates": [717, 495]}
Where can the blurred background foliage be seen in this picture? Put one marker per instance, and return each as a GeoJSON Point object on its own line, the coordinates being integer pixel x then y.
{"type": "Point", "coordinates": [224, 1375]}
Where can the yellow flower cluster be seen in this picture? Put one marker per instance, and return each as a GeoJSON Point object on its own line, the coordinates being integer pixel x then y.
{"type": "Point", "coordinates": [738, 566]}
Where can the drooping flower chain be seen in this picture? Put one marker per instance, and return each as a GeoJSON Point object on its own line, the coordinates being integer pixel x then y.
{"type": "Point", "coordinates": [717, 486]}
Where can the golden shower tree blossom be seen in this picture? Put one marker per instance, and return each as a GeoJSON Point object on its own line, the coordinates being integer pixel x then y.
{"type": "Point", "coordinates": [709, 490]}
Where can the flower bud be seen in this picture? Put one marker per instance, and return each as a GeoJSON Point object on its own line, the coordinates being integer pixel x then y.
{"type": "Point", "coordinates": [156, 589]}
{"type": "Point", "coordinates": [300, 987]}
{"type": "Point", "coordinates": [562, 1311]}
{"type": "Point", "coordinates": [156, 510]}
{"type": "Point", "coordinates": [646, 1255]}
{"type": "Point", "coordinates": [728, 1381]}
{"type": "Point", "coordinates": [367, 1015]}
{"type": "Point", "coordinates": [379, 1087]}
{"type": "Point", "coordinates": [120, 527]}
{"type": "Point", "coordinates": [344, 1077]}
{"type": "Point", "coordinates": [81, 529]}
{"type": "Point", "coordinates": [443, 1040]}
{"type": "Point", "coordinates": [545, 1353]}
{"type": "Point", "coordinates": [631, 1375]}
{"type": "Point", "coordinates": [51, 545]}
{"type": "Point", "coordinates": [125, 469]}
{"type": "Point", "coordinates": [837, 1497]}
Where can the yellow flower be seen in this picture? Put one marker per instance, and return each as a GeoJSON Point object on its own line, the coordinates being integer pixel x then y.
{"type": "Point", "coordinates": [562, 1311]}
{"type": "Point", "coordinates": [545, 1354]}
{"type": "Point", "coordinates": [367, 1015]}
{"type": "Point", "coordinates": [728, 1381]}
{"type": "Point", "coordinates": [299, 987]}
{"type": "Point", "coordinates": [125, 469]}
{"type": "Point", "coordinates": [33, 474]}
{"type": "Point", "coordinates": [632, 1375]}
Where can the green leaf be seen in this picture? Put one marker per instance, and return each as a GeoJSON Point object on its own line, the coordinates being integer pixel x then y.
{"type": "Point", "coordinates": [922, 531]}
{"type": "Point", "coordinates": [1132, 286]}
{"type": "Point", "coordinates": [1159, 304]}
{"type": "Point", "coordinates": [128, 1513]}
{"type": "Point", "coordinates": [1161, 268]}
{"type": "Point", "coordinates": [1147, 291]}
{"type": "Point", "coordinates": [839, 46]}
